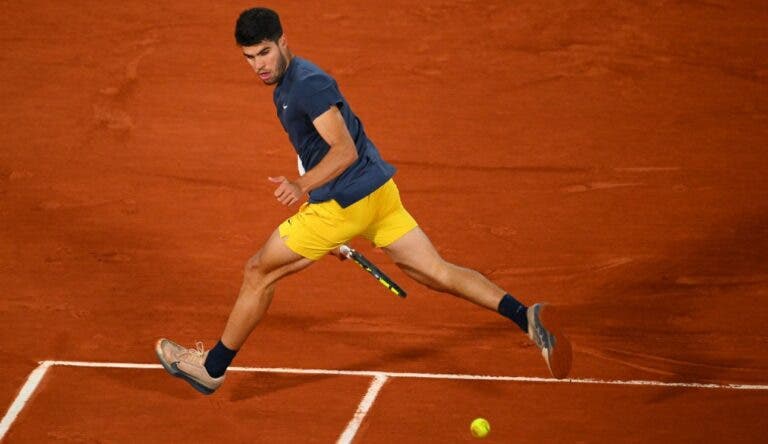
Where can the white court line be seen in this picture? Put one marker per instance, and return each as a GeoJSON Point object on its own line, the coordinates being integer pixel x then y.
{"type": "Point", "coordinates": [24, 394]}
{"type": "Point", "coordinates": [370, 396]}
{"type": "Point", "coordinates": [380, 378]}
{"type": "Point", "coordinates": [371, 373]}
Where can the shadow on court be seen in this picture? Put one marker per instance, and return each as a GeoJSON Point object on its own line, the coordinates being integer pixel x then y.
{"type": "Point", "coordinates": [691, 315]}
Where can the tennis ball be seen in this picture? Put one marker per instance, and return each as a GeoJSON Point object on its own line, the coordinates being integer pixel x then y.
{"type": "Point", "coordinates": [480, 428]}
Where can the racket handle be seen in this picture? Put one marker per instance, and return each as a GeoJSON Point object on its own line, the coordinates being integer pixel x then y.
{"type": "Point", "coordinates": [346, 251]}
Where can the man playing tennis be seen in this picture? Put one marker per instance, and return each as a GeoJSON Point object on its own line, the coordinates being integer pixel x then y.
{"type": "Point", "coordinates": [351, 193]}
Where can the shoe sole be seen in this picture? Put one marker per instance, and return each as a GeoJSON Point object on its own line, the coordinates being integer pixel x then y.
{"type": "Point", "coordinates": [559, 358]}
{"type": "Point", "coordinates": [173, 370]}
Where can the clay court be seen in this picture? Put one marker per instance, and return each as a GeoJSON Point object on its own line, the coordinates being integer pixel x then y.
{"type": "Point", "coordinates": [609, 158]}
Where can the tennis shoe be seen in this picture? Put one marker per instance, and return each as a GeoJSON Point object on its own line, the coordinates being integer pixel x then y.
{"type": "Point", "coordinates": [187, 364]}
{"type": "Point", "coordinates": [554, 345]}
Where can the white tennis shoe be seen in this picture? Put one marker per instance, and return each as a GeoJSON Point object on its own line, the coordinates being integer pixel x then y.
{"type": "Point", "coordinates": [187, 364]}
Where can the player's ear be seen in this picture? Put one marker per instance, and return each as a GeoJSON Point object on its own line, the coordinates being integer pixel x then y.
{"type": "Point", "coordinates": [282, 42]}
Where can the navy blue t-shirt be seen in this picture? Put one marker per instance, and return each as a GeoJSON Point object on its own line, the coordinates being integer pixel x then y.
{"type": "Point", "coordinates": [304, 93]}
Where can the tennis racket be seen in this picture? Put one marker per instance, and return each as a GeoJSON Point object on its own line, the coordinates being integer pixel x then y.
{"type": "Point", "coordinates": [368, 266]}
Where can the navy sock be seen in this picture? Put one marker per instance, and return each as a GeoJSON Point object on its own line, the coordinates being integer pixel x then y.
{"type": "Point", "coordinates": [219, 359]}
{"type": "Point", "coordinates": [514, 310]}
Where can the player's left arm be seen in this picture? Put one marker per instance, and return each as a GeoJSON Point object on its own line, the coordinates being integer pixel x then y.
{"type": "Point", "coordinates": [341, 154]}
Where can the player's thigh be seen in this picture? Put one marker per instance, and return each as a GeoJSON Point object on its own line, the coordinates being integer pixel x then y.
{"type": "Point", "coordinates": [276, 259]}
{"type": "Point", "coordinates": [415, 254]}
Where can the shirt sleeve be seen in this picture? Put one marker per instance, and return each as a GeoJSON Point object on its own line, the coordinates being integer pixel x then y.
{"type": "Point", "coordinates": [320, 100]}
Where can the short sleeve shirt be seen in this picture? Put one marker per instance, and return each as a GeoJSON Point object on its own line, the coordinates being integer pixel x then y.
{"type": "Point", "coordinates": [304, 93]}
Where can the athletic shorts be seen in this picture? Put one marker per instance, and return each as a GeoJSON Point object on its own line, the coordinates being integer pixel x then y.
{"type": "Point", "coordinates": [318, 228]}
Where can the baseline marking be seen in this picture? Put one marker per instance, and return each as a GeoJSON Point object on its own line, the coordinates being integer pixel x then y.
{"type": "Point", "coordinates": [370, 396]}
{"type": "Point", "coordinates": [25, 393]}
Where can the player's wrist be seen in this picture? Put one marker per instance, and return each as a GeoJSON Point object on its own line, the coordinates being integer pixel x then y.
{"type": "Point", "coordinates": [302, 185]}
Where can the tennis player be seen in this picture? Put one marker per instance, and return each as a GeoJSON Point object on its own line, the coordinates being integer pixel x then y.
{"type": "Point", "coordinates": [351, 193]}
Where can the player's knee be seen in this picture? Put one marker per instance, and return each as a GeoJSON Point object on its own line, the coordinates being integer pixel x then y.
{"type": "Point", "coordinates": [451, 276]}
{"type": "Point", "coordinates": [254, 271]}
{"type": "Point", "coordinates": [436, 276]}
{"type": "Point", "coordinates": [443, 275]}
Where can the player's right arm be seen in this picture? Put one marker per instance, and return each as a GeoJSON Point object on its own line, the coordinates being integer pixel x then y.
{"type": "Point", "coordinates": [341, 154]}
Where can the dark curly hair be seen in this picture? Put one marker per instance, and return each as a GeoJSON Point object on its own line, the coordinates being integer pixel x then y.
{"type": "Point", "coordinates": [256, 25]}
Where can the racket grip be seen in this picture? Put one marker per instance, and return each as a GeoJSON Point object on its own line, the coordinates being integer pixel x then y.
{"type": "Point", "coordinates": [346, 251]}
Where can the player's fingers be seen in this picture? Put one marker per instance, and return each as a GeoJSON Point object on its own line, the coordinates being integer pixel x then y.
{"type": "Point", "coordinates": [337, 252]}
{"type": "Point", "coordinates": [282, 190]}
{"type": "Point", "coordinates": [287, 198]}
{"type": "Point", "coordinates": [295, 196]}
{"type": "Point", "coordinates": [278, 179]}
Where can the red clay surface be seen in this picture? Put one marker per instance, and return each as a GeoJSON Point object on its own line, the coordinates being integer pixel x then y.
{"type": "Point", "coordinates": [608, 158]}
{"type": "Point", "coordinates": [98, 405]}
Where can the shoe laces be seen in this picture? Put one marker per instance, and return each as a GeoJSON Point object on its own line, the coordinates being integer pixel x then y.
{"type": "Point", "coordinates": [194, 355]}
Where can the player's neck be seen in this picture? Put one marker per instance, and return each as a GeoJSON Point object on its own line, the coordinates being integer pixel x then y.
{"type": "Point", "coordinates": [288, 59]}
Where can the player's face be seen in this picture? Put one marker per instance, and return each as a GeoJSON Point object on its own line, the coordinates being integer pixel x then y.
{"type": "Point", "coordinates": [268, 59]}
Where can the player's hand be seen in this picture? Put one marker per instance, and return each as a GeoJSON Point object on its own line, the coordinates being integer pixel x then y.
{"type": "Point", "coordinates": [287, 193]}
{"type": "Point", "coordinates": [336, 252]}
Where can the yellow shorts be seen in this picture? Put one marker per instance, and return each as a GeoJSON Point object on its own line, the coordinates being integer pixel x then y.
{"type": "Point", "coordinates": [318, 228]}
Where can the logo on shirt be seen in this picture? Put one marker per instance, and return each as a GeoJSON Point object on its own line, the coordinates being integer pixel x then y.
{"type": "Point", "coordinates": [285, 106]}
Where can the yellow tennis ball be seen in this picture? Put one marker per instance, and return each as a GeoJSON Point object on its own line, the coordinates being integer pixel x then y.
{"type": "Point", "coordinates": [480, 428]}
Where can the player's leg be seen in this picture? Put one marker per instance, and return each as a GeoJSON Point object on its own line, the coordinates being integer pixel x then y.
{"type": "Point", "coordinates": [205, 370]}
{"type": "Point", "coordinates": [397, 232]}
{"type": "Point", "coordinates": [416, 256]}
{"type": "Point", "coordinates": [273, 262]}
